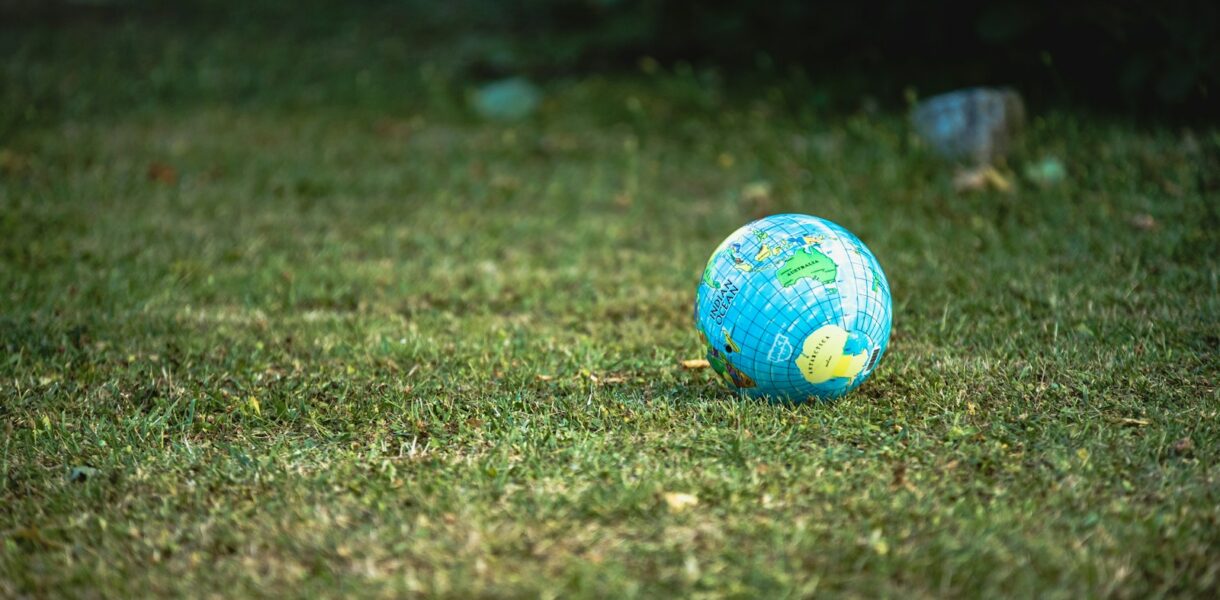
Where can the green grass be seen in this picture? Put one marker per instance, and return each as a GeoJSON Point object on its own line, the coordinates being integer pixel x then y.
{"type": "Point", "coordinates": [317, 358]}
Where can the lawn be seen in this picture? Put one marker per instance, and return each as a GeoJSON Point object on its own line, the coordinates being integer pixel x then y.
{"type": "Point", "coordinates": [285, 318]}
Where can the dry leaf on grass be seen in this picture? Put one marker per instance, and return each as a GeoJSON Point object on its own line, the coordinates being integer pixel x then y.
{"type": "Point", "coordinates": [1184, 447]}
{"type": "Point", "coordinates": [544, 377]}
{"type": "Point", "coordinates": [695, 364]}
{"type": "Point", "coordinates": [162, 173]}
{"type": "Point", "coordinates": [1143, 222]}
{"type": "Point", "coordinates": [605, 379]}
{"type": "Point", "coordinates": [679, 501]}
{"type": "Point", "coordinates": [980, 179]}
{"type": "Point", "coordinates": [12, 163]}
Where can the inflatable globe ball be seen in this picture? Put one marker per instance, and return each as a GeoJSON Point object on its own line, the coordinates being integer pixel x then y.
{"type": "Point", "coordinates": [793, 308]}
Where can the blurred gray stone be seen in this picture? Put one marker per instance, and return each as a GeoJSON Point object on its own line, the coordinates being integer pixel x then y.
{"type": "Point", "coordinates": [974, 126]}
{"type": "Point", "coordinates": [1046, 172]}
{"type": "Point", "coordinates": [79, 474]}
{"type": "Point", "coordinates": [507, 99]}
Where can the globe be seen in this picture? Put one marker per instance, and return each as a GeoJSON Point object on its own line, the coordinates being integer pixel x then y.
{"type": "Point", "coordinates": [793, 308]}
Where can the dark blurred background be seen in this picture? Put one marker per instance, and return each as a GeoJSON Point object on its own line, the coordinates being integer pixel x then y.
{"type": "Point", "coordinates": [1150, 59]}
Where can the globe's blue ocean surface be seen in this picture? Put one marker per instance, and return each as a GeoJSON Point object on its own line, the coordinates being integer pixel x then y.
{"type": "Point", "coordinates": [793, 307]}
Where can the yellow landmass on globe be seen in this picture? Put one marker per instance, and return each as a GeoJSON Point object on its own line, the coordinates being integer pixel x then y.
{"type": "Point", "coordinates": [729, 344]}
{"type": "Point", "coordinates": [822, 356]}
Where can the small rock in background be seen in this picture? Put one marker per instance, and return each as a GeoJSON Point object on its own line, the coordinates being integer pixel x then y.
{"type": "Point", "coordinates": [1047, 172]}
{"type": "Point", "coordinates": [507, 99]}
{"type": "Point", "coordinates": [973, 127]}
{"type": "Point", "coordinates": [1144, 222]}
{"type": "Point", "coordinates": [81, 474]}
{"type": "Point", "coordinates": [757, 198]}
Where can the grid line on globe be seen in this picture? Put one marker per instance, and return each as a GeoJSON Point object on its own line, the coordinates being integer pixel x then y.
{"type": "Point", "coordinates": [793, 307]}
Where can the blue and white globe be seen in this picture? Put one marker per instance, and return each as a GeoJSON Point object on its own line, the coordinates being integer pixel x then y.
{"type": "Point", "coordinates": [792, 308]}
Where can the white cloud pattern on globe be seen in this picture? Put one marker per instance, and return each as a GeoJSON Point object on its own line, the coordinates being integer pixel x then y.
{"type": "Point", "coordinates": [793, 307]}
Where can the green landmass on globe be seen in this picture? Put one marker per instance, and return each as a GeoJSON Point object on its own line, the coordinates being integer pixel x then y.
{"type": "Point", "coordinates": [707, 275]}
{"type": "Point", "coordinates": [722, 366]}
{"type": "Point", "coordinates": [809, 263]}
